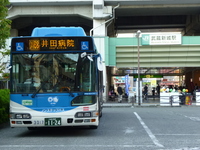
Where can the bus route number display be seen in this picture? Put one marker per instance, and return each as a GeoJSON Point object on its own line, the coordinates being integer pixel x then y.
{"type": "Point", "coordinates": [61, 44]}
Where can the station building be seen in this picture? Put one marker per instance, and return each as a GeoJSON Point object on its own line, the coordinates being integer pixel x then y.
{"type": "Point", "coordinates": [170, 58]}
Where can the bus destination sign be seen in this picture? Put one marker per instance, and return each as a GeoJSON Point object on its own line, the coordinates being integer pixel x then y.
{"type": "Point", "coordinates": [52, 44]}
{"type": "Point", "coordinates": [36, 45]}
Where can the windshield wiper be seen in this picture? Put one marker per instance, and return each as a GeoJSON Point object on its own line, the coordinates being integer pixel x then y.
{"type": "Point", "coordinates": [34, 94]}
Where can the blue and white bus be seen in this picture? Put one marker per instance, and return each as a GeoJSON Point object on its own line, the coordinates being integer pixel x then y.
{"type": "Point", "coordinates": [56, 79]}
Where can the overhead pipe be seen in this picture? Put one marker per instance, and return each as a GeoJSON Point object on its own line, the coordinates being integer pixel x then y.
{"type": "Point", "coordinates": [107, 20]}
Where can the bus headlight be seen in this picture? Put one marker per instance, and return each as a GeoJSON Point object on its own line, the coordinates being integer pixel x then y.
{"type": "Point", "coordinates": [79, 114]}
{"type": "Point", "coordinates": [83, 114]}
{"type": "Point", "coordinates": [20, 116]}
{"type": "Point", "coordinates": [26, 116]}
{"type": "Point", "coordinates": [87, 114]}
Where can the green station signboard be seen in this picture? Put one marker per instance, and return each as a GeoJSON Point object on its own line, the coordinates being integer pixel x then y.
{"type": "Point", "coordinates": [149, 76]}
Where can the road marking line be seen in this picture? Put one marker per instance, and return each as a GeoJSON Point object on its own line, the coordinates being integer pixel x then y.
{"type": "Point", "coordinates": [85, 146]}
{"type": "Point", "coordinates": [178, 134]}
{"type": "Point", "coordinates": [151, 135]}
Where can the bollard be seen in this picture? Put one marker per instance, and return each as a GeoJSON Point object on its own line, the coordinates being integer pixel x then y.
{"type": "Point", "coordinates": [132, 99]}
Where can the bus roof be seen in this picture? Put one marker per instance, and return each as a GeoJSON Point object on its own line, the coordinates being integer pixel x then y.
{"type": "Point", "coordinates": [58, 31]}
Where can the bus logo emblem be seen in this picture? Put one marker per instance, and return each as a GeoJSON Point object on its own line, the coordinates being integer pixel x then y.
{"type": "Point", "coordinates": [53, 100]}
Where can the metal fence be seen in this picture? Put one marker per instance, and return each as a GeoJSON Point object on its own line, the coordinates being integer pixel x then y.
{"type": "Point", "coordinates": [4, 84]}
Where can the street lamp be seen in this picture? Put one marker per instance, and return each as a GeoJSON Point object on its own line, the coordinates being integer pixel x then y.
{"type": "Point", "coordinates": [138, 37]}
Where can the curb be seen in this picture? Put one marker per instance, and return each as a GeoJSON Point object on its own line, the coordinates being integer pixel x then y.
{"type": "Point", "coordinates": [109, 105]}
{"type": "Point", "coordinates": [117, 105]}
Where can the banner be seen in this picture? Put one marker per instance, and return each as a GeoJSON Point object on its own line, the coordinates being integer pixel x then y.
{"type": "Point", "coordinates": [127, 84]}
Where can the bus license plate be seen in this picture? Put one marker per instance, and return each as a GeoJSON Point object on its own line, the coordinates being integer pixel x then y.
{"type": "Point", "coordinates": [52, 121]}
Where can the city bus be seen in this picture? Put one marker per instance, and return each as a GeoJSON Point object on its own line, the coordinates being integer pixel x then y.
{"type": "Point", "coordinates": [56, 79]}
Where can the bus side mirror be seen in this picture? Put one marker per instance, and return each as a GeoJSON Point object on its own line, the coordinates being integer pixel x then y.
{"type": "Point", "coordinates": [9, 67]}
{"type": "Point", "coordinates": [84, 55]}
{"type": "Point", "coordinates": [90, 58]}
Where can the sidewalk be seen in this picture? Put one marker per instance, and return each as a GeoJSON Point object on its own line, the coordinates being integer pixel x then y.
{"type": "Point", "coordinates": [143, 105]}
{"type": "Point", "coordinates": [150, 103]}
{"type": "Point", "coordinates": [130, 105]}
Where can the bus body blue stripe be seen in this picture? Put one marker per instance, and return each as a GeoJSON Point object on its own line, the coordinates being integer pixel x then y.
{"type": "Point", "coordinates": [51, 102]}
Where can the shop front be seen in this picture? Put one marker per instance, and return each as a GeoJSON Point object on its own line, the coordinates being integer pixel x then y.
{"type": "Point", "coordinates": [128, 83]}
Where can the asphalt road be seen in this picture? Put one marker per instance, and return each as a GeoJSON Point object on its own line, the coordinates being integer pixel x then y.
{"type": "Point", "coordinates": [140, 128]}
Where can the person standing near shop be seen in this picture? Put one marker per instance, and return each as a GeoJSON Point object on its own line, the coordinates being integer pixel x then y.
{"type": "Point", "coordinates": [158, 89]}
{"type": "Point", "coordinates": [146, 92]}
{"type": "Point", "coordinates": [120, 92]}
{"type": "Point", "coordinates": [196, 87]}
{"type": "Point", "coordinates": [153, 92]}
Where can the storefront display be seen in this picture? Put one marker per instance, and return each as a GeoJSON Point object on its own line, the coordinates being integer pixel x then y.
{"type": "Point", "coordinates": [197, 98]}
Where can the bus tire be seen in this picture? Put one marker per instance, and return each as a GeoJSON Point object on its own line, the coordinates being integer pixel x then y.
{"type": "Point", "coordinates": [100, 114]}
{"type": "Point", "coordinates": [93, 127]}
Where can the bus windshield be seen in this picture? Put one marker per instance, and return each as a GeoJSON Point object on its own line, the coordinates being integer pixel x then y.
{"type": "Point", "coordinates": [52, 73]}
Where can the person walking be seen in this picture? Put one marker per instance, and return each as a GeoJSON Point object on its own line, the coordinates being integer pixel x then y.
{"type": "Point", "coordinates": [146, 92]}
{"type": "Point", "coordinates": [120, 92]}
{"type": "Point", "coordinates": [153, 92]}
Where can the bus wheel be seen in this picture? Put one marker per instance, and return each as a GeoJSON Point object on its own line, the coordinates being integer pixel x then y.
{"type": "Point", "coordinates": [93, 127]}
{"type": "Point", "coordinates": [100, 114]}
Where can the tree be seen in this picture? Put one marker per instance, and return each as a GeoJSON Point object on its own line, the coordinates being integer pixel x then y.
{"type": "Point", "coordinates": [5, 25]}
